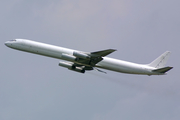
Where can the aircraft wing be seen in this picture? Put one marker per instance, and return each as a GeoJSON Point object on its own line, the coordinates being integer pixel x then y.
{"type": "Point", "coordinates": [86, 61]}
{"type": "Point", "coordinates": [102, 53]}
{"type": "Point", "coordinates": [92, 58]}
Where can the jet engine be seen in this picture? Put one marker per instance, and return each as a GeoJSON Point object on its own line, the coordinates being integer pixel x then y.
{"type": "Point", "coordinates": [68, 57]}
{"type": "Point", "coordinates": [81, 55]}
{"type": "Point", "coordinates": [70, 66]}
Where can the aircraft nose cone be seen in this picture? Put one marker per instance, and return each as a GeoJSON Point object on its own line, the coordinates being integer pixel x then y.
{"type": "Point", "coordinates": [7, 43]}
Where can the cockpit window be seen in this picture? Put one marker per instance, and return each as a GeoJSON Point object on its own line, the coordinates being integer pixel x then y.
{"type": "Point", "coordinates": [13, 40]}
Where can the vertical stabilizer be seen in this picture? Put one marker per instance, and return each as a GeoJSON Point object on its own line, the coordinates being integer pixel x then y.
{"type": "Point", "coordinates": [161, 60]}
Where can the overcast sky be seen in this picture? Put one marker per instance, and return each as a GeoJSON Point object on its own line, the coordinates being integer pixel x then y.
{"type": "Point", "coordinates": [34, 87]}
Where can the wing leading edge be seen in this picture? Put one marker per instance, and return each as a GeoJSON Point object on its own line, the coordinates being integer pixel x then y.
{"type": "Point", "coordinates": [103, 52]}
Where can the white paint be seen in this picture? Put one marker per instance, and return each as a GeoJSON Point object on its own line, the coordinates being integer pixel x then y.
{"type": "Point", "coordinates": [106, 63]}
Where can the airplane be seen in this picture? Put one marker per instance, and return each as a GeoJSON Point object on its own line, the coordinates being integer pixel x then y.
{"type": "Point", "coordinates": [80, 61]}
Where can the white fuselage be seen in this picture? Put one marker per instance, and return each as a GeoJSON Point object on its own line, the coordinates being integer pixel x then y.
{"type": "Point", "coordinates": [56, 52]}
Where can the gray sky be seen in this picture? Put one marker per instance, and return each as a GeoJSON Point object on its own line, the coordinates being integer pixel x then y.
{"type": "Point", "coordinates": [34, 87]}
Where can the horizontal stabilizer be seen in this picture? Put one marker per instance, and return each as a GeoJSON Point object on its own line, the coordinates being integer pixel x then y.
{"type": "Point", "coordinates": [162, 70]}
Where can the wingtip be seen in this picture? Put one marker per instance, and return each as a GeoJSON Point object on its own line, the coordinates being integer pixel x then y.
{"type": "Point", "coordinates": [114, 49]}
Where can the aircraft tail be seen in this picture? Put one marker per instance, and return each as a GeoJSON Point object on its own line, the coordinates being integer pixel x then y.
{"type": "Point", "coordinates": [161, 61]}
{"type": "Point", "coordinates": [162, 70]}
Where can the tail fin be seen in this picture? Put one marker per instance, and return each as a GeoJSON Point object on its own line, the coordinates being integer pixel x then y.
{"type": "Point", "coordinates": [161, 61]}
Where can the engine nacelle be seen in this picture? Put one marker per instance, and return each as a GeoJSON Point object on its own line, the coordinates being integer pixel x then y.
{"type": "Point", "coordinates": [68, 57]}
{"type": "Point", "coordinates": [66, 65]}
{"type": "Point", "coordinates": [81, 55]}
{"type": "Point", "coordinates": [78, 69]}
{"type": "Point", "coordinates": [71, 67]}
